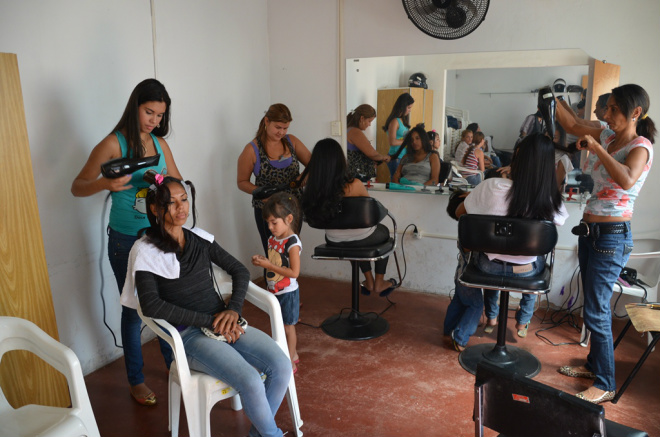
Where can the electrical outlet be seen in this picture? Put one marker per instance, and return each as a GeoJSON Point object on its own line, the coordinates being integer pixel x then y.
{"type": "Point", "coordinates": [417, 234]}
{"type": "Point", "coordinates": [335, 126]}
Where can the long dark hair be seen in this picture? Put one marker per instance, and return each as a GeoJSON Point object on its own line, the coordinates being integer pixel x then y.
{"type": "Point", "coordinates": [280, 205]}
{"type": "Point", "coordinates": [399, 109]}
{"type": "Point", "coordinates": [279, 113]}
{"type": "Point", "coordinates": [327, 176]}
{"type": "Point", "coordinates": [426, 142]}
{"type": "Point", "coordinates": [628, 97]}
{"type": "Point", "coordinates": [534, 193]}
{"type": "Point", "coordinates": [159, 195]}
{"type": "Point", "coordinates": [149, 90]}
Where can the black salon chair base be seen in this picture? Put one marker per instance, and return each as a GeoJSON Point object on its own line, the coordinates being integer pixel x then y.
{"type": "Point", "coordinates": [355, 326]}
{"type": "Point", "coordinates": [356, 213]}
{"type": "Point", "coordinates": [509, 357]}
{"type": "Point", "coordinates": [509, 236]}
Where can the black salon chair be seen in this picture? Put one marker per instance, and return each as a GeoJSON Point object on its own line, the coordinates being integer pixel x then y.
{"type": "Point", "coordinates": [516, 406]}
{"type": "Point", "coordinates": [506, 236]}
{"type": "Point", "coordinates": [356, 212]}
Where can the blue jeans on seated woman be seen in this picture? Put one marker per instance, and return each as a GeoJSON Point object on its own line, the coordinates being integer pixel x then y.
{"type": "Point", "coordinates": [240, 365]}
{"type": "Point", "coordinates": [465, 309]}
{"type": "Point", "coordinates": [491, 297]}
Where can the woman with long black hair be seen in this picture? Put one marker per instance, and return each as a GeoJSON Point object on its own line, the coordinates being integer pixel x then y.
{"type": "Point", "coordinates": [327, 183]}
{"type": "Point", "coordinates": [397, 126]}
{"type": "Point", "coordinates": [620, 158]}
{"type": "Point", "coordinates": [532, 193]}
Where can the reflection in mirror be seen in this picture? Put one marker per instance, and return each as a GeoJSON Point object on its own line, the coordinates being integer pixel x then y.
{"type": "Point", "coordinates": [495, 87]}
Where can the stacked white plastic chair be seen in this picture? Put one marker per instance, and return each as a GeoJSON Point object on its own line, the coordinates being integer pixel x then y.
{"type": "Point", "coordinates": [41, 420]}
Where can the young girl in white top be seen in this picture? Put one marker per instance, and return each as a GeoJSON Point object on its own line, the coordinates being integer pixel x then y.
{"type": "Point", "coordinates": [282, 215]}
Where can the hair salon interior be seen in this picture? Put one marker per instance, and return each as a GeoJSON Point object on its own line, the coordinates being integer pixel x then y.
{"type": "Point", "coordinates": [224, 63]}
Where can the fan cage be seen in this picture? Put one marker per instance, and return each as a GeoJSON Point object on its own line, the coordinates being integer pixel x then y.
{"type": "Point", "coordinates": [432, 20]}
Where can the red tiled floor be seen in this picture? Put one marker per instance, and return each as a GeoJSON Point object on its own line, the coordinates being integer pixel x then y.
{"type": "Point", "coordinates": [407, 382]}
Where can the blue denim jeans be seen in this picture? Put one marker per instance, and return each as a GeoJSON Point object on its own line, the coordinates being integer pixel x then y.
{"type": "Point", "coordinates": [601, 259]}
{"type": "Point", "coordinates": [240, 365]}
{"type": "Point", "coordinates": [119, 246]}
{"type": "Point", "coordinates": [465, 308]}
{"type": "Point", "coordinates": [393, 165]}
{"type": "Point", "coordinates": [491, 297]}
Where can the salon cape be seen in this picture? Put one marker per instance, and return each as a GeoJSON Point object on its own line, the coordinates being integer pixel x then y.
{"type": "Point", "coordinates": [146, 257]}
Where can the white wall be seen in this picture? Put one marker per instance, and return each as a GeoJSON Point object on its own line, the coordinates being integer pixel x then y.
{"type": "Point", "coordinates": [79, 61]}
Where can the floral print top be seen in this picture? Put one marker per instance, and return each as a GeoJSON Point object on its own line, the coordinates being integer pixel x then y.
{"type": "Point", "coordinates": [608, 198]}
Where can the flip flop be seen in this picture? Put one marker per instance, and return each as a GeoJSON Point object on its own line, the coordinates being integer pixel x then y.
{"type": "Point", "coordinates": [364, 290]}
{"type": "Point", "coordinates": [147, 400]}
{"type": "Point", "coordinates": [389, 290]}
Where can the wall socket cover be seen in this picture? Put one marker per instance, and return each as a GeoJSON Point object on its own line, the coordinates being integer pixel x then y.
{"type": "Point", "coordinates": [335, 126]}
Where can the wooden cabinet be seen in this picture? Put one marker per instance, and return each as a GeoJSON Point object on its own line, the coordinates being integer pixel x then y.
{"type": "Point", "coordinates": [422, 112]}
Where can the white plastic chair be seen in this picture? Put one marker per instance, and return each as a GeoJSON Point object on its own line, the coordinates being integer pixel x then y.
{"type": "Point", "coordinates": [201, 391]}
{"type": "Point", "coordinates": [41, 420]}
{"type": "Point", "coordinates": [646, 260]}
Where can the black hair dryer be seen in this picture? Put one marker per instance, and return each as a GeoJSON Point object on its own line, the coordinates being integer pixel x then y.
{"type": "Point", "coordinates": [122, 166]}
{"type": "Point", "coordinates": [546, 105]}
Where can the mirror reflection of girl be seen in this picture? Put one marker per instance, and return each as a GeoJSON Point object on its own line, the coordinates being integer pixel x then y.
{"type": "Point", "coordinates": [139, 133]}
{"type": "Point", "coordinates": [282, 214]}
{"type": "Point", "coordinates": [463, 145]}
{"type": "Point", "coordinates": [473, 160]}
{"type": "Point", "coordinates": [420, 164]}
{"type": "Point", "coordinates": [361, 155]}
{"type": "Point", "coordinates": [396, 126]}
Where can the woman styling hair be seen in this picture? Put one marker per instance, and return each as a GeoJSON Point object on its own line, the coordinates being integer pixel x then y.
{"type": "Point", "coordinates": [170, 272]}
{"type": "Point", "coordinates": [273, 157]}
{"type": "Point", "coordinates": [530, 193]}
{"type": "Point", "coordinates": [139, 133]}
{"type": "Point", "coordinates": [361, 155]}
{"type": "Point", "coordinates": [620, 158]}
{"type": "Point", "coordinates": [396, 126]}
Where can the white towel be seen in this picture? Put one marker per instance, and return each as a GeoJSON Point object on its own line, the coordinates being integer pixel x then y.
{"type": "Point", "coordinates": [146, 257]}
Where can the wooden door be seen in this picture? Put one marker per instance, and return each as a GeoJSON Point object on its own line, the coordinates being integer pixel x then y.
{"type": "Point", "coordinates": [602, 78]}
{"type": "Point", "coordinates": [24, 285]}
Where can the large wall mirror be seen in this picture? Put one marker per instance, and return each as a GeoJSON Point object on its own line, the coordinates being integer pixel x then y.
{"type": "Point", "coordinates": [496, 87]}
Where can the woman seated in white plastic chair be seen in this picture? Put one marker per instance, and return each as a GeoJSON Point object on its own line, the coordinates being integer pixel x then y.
{"type": "Point", "coordinates": [171, 271]}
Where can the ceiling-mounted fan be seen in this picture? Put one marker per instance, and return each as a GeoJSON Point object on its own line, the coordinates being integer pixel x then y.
{"type": "Point", "coordinates": [446, 19]}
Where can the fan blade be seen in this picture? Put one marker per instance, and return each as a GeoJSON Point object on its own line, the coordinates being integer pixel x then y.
{"type": "Point", "coordinates": [469, 5]}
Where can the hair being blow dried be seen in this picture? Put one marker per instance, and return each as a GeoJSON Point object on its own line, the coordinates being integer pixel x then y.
{"type": "Point", "coordinates": [534, 193]}
{"type": "Point", "coordinates": [159, 195]}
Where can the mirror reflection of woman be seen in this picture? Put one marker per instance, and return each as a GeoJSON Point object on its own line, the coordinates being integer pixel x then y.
{"type": "Point", "coordinates": [361, 155]}
{"type": "Point", "coordinates": [420, 163]}
{"type": "Point", "coordinates": [273, 157]}
{"type": "Point", "coordinates": [396, 126]}
{"type": "Point", "coordinates": [620, 158]}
